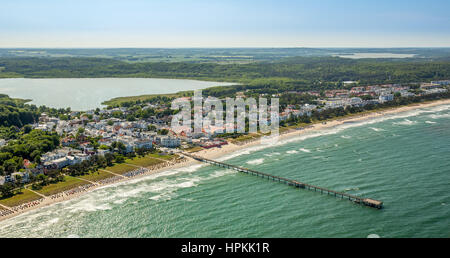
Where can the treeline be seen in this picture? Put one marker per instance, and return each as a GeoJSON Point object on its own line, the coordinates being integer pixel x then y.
{"type": "Point", "coordinates": [289, 74]}
{"type": "Point", "coordinates": [30, 144]}
{"type": "Point", "coordinates": [292, 73]}
{"type": "Point", "coordinates": [15, 112]}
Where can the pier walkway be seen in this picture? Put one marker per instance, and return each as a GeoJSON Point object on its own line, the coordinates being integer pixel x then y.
{"type": "Point", "coordinates": [356, 199]}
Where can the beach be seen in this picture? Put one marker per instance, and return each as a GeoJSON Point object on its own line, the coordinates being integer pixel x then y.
{"type": "Point", "coordinates": [227, 149]}
{"type": "Point", "coordinates": [217, 153]}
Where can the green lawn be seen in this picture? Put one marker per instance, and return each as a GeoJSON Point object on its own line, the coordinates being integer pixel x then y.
{"type": "Point", "coordinates": [69, 183]}
{"type": "Point", "coordinates": [146, 161]}
{"type": "Point", "coordinates": [165, 157]}
{"type": "Point", "coordinates": [194, 149]}
{"type": "Point", "coordinates": [120, 168]}
{"type": "Point", "coordinates": [96, 176]}
{"type": "Point", "coordinates": [244, 138]}
{"type": "Point", "coordinates": [25, 196]}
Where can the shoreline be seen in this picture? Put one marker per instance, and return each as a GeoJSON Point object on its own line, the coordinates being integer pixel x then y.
{"type": "Point", "coordinates": [216, 153]}
{"type": "Point", "coordinates": [227, 149]}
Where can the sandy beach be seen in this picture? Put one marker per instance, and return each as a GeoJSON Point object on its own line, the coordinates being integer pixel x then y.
{"type": "Point", "coordinates": [211, 154]}
{"type": "Point", "coordinates": [227, 149]}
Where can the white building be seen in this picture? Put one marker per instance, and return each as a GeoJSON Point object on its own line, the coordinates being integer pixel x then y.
{"type": "Point", "coordinates": [146, 144]}
{"type": "Point", "coordinates": [356, 101]}
{"type": "Point", "coordinates": [102, 152]}
{"type": "Point", "coordinates": [58, 163]}
{"type": "Point", "coordinates": [386, 97]}
{"type": "Point", "coordinates": [170, 142]}
{"type": "Point", "coordinates": [445, 82]}
{"type": "Point", "coordinates": [405, 93]}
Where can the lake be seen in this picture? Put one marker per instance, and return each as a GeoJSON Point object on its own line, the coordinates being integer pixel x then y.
{"type": "Point", "coordinates": [88, 93]}
{"type": "Point", "coordinates": [375, 55]}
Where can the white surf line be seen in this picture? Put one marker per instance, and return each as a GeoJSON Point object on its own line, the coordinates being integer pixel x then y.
{"type": "Point", "coordinates": [37, 193]}
{"type": "Point", "coordinates": [113, 173]}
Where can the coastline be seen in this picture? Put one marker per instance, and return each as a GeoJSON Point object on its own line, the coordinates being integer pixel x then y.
{"type": "Point", "coordinates": [225, 150]}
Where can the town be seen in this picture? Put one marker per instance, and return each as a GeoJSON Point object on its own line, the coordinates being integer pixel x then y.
{"type": "Point", "coordinates": [99, 132]}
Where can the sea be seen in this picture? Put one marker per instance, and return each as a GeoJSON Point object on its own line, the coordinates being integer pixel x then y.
{"type": "Point", "coordinates": [401, 159]}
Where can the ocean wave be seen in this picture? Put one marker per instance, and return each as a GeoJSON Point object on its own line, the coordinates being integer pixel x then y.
{"type": "Point", "coordinates": [335, 130]}
{"type": "Point", "coordinates": [291, 152]}
{"type": "Point", "coordinates": [437, 116]}
{"type": "Point", "coordinates": [376, 129]}
{"type": "Point", "coordinates": [272, 154]}
{"type": "Point", "coordinates": [161, 197]}
{"type": "Point", "coordinates": [405, 122]}
{"type": "Point", "coordinates": [304, 150]}
{"type": "Point", "coordinates": [255, 161]}
{"type": "Point", "coordinates": [346, 136]}
{"type": "Point", "coordinates": [430, 122]}
{"type": "Point", "coordinates": [88, 204]}
{"type": "Point", "coordinates": [440, 108]}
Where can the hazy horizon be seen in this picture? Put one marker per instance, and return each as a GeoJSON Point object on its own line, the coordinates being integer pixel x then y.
{"type": "Point", "coordinates": [237, 47]}
{"type": "Point", "coordinates": [224, 24]}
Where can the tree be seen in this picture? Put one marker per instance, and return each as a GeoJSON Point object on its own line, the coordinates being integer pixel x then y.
{"type": "Point", "coordinates": [6, 189]}
{"type": "Point", "coordinates": [10, 166]}
{"type": "Point", "coordinates": [27, 129]}
{"type": "Point", "coordinates": [18, 178]}
{"type": "Point", "coordinates": [109, 159]}
{"type": "Point", "coordinates": [120, 159]}
{"type": "Point", "coordinates": [163, 131]}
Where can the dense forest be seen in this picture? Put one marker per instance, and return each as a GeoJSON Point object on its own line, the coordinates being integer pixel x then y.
{"type": "Point", "coordinates": [23, 142]}
{"type": "Point", "coordinates": [29, 144]}
{"type": "Point", "coordinates": [15, 113]}
{"type": "Point", "coordinates": [294, 73]}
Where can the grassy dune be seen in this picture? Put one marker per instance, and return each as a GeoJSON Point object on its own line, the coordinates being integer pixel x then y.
{"type": "Point", "coordinates": [20, 198]}
{"type": "Point", "coordinates": [67, 184]}
{"type": "Point", "coordinates": [96, 176]}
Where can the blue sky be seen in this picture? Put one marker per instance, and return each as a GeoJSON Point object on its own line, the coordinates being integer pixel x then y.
{"type": "Point", "coordinates": [224, 23]}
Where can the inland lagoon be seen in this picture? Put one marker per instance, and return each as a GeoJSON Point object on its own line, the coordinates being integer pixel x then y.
{"type": "Point", "coordinates": [88, 93]}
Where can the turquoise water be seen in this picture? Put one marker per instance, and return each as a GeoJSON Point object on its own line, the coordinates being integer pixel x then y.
{"type": "Point", "coordinates": [89, 93]}
{"type": "Point", "coordinates": [401, 159]}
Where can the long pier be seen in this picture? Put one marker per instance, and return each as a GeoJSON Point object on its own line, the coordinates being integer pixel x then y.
{"type": "Point", "coordinates": [355, 199]}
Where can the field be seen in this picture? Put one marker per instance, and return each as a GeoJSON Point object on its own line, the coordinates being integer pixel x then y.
{"type": "Point", "coordinates": [120, 168]}
{"type": "Point", "coordinates": [245, 138]}
{"type": "Point", "coordinates": [165, 157]}
{"type": "Point", "coordinates": [96, 176]}
{"type": "Point", "coordinates": [150, 160]}
{"type": "Point", "coordinates": [194, 149]}
{"type": "Point", "coordinates": [25, 196]}
{"type": "Point", "coordinates": [69, 183]}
